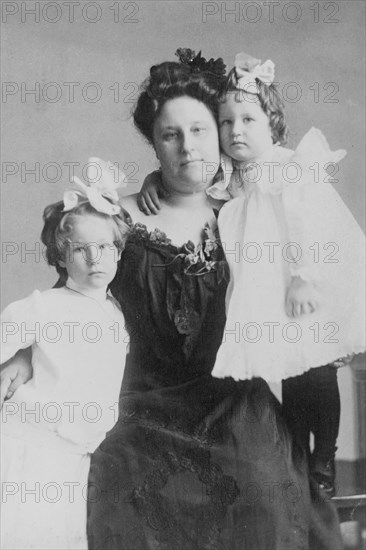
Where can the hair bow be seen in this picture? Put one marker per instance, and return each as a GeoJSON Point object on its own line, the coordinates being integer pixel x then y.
{"type": "Point", "coordinates": [100, 190]}
{"type": "Point", "coordinates": [248, 69]}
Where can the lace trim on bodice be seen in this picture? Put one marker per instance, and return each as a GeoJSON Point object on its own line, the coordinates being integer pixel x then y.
{"type": "Point", "coordinates": [155, 237]}
{"type": "Point", "coordinates": [204, 259]}
{"type": "Point", "coordinates": [198, 259]}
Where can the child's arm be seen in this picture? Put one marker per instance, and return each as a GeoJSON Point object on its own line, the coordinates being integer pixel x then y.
{"type": "Point", "coordinates": [15, 372]}
{"type": "Point", "coordinates": [18, 334]}
{"type": "Point", "coordinates": [148, 197]}
{"type": "Point", "coordinates": [20, 325]}
{"type": "Point", "coordinates": [305, 203]}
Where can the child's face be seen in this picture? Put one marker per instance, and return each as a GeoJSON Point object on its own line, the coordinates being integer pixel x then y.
{"type": "Point", "coordinates": [245, 133]}
{"type": "Point", "coordinates": [91, 257]}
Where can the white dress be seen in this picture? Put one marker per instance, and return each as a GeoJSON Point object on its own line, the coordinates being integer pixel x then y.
{"type": "Point", "coordinates": [52, 424]}
{"type": "Point", "coordinates": [287, 220]}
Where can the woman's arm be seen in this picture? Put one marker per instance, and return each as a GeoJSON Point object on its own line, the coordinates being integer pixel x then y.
{"type": "Point", "coordinates": [15, 372]}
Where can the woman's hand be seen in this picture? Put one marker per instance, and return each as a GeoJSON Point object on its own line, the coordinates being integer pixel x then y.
{"type": "Point", "coordinates": [148, 197]}
{"type": "Point", "coordinates": [15, 372]}
{"type": "Point", "coordinates": [302, 298]}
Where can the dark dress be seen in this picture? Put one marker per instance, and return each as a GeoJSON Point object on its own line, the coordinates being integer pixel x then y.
{"type": "Point", "coordinates": [194, 462]}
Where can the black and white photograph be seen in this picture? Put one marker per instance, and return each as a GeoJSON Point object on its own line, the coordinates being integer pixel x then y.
{"type": "Point", "coordinates": [183, 275]}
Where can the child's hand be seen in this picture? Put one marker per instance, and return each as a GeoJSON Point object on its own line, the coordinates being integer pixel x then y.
{"type": "Point", "coordinates": [148, 197]}
{"type": "Point", "coordinates": [301, 298]}
{"type": "Point", "coordinates": [14, 373]}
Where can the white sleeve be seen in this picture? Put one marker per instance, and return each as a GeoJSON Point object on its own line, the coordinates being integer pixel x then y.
{"type": "Point", "coordinates": [220, 189]}
{"type": "Point", "coordinates": [20, 325]}
{"type": "Point", "coordinates": [309, 203]}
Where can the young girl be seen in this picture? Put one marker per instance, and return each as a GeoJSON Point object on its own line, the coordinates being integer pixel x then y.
{"type": "Point", "coordinates": [52, 424]}
{"type": "Point", "coordinates": [295, 297]}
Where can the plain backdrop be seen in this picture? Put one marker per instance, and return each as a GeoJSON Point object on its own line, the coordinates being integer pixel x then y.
{"type": "Point", "coordinates": [85, 60]}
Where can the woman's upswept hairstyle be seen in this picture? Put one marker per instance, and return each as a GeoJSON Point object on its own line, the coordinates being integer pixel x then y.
{"type": "Point", "coordinates": [269, 99]}
{"type": "Point", "coordinates": [170, 80]}
{"type": "Point", "coordinates": [58, 227]}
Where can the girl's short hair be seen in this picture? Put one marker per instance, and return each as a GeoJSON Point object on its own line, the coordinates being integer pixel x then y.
{"type": "Point", "coordinates": [170, 80]}
{"type": "Point", "coordinates": [270, 101]}
{"type": "Point", "coordinates": [58, 227]}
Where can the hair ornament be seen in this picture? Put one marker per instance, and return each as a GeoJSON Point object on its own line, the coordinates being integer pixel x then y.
{"type": "Point", "coordinates": [248, 69]}
{"type": "Point", "coordinates": [198, 64]}
{"type": "Point", "coordinates": [100, 190]}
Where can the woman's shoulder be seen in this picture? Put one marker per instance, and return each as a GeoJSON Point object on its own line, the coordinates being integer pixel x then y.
{"type": "Point", "coordinates": [129, 204]}
{"type": "Point", "coordinates": [141, 223]}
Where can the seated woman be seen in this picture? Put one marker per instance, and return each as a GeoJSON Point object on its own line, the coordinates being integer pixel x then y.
{"type": "Point", "coordinates": [193, 462]}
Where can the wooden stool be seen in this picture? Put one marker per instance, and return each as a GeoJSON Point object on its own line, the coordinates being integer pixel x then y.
{"type": "Point", "coordinates": [352, 515]}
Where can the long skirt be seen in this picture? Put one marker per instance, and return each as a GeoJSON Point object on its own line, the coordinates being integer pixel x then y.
{"type": "Point", "coordinates": [207, 465]}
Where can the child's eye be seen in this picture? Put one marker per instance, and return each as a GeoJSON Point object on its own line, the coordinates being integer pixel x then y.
{"type": "Point", "coordinates": [247, 119]}
{"type": "Point", "coordinates": [225, 122]}
{"type": "Point", "coordinates": [198, 130]}
{"type": "Point", "coordinates": [106, 246]}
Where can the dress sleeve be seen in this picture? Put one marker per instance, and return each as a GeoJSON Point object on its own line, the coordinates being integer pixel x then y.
{"type": "Point", "coordinates": [308, 202]}
{"type": "Point", "coordinates": [20, 325]}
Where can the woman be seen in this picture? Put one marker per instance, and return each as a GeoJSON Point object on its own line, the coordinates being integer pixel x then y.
{"type": "Point", "coordinates": [193, 461]}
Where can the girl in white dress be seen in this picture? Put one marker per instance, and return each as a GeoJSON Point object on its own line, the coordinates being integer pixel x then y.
{"type": "Point", "coordinates": [295, 301]}
{"type": "Point", "coordinates": [52, 424]}
{"type": "Point", "coordinates": [296, 297]}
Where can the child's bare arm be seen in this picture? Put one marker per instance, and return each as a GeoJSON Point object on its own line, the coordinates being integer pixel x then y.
{"type": "Point", "coordinates": [15, 372]}
{"type": "Point", "coordinates": [148, 197]}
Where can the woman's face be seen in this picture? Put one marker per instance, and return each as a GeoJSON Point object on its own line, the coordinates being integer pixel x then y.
{"type": "Point", "coordinates": [186, 144]}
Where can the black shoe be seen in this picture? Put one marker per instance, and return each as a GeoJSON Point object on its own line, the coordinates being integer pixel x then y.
{"type": "Point", "coordinates": [323, 471]}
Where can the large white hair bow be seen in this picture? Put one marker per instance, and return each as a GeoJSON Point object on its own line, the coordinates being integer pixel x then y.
{"type": "Point", "coordinates": [104, 178]}
{"type": "Point", "coordinates": [248, 69]}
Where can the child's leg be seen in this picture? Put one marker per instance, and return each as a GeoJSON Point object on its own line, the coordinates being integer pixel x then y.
{"type": "Point", "coordinates": [327, 402]}
{"type": "Point", "coordinates": [311, 403]}
{"type": "Point", "coordinates": [325, 427]}
{"type": "Point", "coordinates": [295, 406]}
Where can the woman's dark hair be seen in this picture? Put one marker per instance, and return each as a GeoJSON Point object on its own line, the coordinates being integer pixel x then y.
{"type": "Point", "coordinates": [170, 80]}
{"type": "Point", "coordinates": [58, 227]}
{"type": "Point", "coordinates": [270, 101]}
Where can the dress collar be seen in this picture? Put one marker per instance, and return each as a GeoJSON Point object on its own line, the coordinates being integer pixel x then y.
{"type": "Point", "coordinates": [98, 294]}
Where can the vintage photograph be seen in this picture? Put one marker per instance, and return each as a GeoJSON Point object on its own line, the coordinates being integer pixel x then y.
{"type": "Point", "coordinates": [183, 275]}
